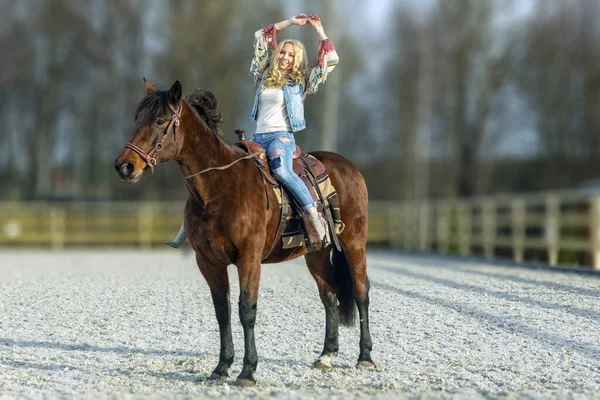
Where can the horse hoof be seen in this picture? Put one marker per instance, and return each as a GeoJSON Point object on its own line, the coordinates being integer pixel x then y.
{"type": "Point", "coordinates": [321, 365]}
{"type": "Point", "coordinates": [245, 382]}
{"type": "Point", "coordinates": [219, 374]}
{"type": "Point", "coordinates": [365, 364]}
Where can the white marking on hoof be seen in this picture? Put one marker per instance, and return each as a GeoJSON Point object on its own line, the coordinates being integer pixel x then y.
{"type": "Point", "coordinates": [323, 362]}
{"type": "Point", "coordinates": [365, 365]}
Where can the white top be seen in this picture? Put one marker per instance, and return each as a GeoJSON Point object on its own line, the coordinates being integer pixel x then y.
{"type": "Point", "coordinates": [272, 113]}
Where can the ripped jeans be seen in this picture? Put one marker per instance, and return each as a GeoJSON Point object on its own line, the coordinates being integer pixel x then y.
{"type": "Point", "coordinates": [280, 147]}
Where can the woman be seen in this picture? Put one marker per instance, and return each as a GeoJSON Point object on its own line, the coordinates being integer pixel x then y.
{"type": "Point", "coordinates": [283, 81]}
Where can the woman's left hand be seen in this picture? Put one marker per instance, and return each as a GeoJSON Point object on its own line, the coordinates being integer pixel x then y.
{"type": "Point", "coordinates": [315, 21]}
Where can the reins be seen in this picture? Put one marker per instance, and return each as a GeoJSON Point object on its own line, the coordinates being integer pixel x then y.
{"type": "Point", "coordinates": [225, 166]}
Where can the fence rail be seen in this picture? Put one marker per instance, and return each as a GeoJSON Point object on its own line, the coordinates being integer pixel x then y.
{"type": "Point", "coordinates": [558, 227]}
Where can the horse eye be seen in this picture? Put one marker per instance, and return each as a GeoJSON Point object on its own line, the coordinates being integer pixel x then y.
{"type": "Point", "coordinates": [160, 122]}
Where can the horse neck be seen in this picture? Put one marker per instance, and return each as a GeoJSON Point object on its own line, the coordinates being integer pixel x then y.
{"type": "Point", "coordinates": [202, 149]}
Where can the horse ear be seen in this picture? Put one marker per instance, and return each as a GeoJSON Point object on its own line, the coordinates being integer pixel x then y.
{"type": "Point", "coordinates": [175, 93]}
{"type": "Point", "coordinates": [149, 88]}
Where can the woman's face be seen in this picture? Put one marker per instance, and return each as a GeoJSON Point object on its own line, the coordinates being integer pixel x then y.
{"type": "Point", "coordinates": [286, 57]}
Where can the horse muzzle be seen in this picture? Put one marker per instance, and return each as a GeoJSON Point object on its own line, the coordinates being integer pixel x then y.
{"type": "Point", "coordinates": [126, 171]}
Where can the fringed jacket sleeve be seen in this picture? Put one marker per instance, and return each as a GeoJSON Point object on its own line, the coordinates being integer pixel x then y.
{"type": "Point", "coordinates": [265, 42]}
{"type": "Point", "coordinates": [327, 59]}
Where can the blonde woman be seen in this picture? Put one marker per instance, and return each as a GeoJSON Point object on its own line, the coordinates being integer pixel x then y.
{"type": "Point", "coordinates": [283, 81]}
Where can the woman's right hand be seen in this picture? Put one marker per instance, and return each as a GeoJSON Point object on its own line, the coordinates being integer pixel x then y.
{"type": "Point", "coordinates": [300, 19]}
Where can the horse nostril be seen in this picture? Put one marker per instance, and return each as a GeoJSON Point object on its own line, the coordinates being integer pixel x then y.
{"type": "Point", "coordinates": [125, 168]}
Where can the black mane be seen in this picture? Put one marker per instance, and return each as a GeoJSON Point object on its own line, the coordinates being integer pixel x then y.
{"type": "Point", "coordinates": [202, 101]}
{"type": "Point", "coordinates": [205, 104]}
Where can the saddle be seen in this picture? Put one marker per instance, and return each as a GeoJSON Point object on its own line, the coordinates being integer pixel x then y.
{"type": "Point", "coordinates": [295, 226]}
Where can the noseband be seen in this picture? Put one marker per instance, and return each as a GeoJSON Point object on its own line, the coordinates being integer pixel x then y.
{"type": "Point", "coordinates": [149, 157]}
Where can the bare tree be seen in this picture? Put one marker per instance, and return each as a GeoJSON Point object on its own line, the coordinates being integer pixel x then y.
{"type": "Point", "coordinates": [473, 69]}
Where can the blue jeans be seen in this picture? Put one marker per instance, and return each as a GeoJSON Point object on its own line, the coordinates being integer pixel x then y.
{"type": "Point", "coordinates": [280, 147]}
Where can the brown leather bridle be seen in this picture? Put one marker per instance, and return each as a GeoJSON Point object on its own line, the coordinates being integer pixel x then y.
{"type": "Point", "coordinates": [152, 161]}
{"type": "Point", "coordinates": [150, 157]}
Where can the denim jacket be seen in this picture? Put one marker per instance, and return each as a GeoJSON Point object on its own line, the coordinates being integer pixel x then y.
{"type": "Point", "coordinates": [265, 42]}
{"type": "Point", "coordinates": [294, 104]}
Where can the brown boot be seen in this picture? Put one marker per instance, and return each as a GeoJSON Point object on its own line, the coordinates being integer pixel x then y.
{"type": "Point", "coordinates": [313, 242]}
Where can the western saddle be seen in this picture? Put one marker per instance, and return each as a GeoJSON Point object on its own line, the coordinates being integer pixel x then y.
{"type": "Point", "coordinates": [294, 219]}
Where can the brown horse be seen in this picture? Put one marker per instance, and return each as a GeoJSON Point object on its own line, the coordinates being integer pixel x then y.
{"type": "Point", "coordinates": [227, 221]}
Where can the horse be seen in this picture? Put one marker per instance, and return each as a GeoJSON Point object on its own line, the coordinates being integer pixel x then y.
{"type": "Point", "coordinates": [227, 221]}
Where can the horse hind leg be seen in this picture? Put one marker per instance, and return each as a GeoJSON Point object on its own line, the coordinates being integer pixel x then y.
{"type": "Point", "coordinates": [354, 260]}
{"type": "Point", "coordinates": [319, 266]}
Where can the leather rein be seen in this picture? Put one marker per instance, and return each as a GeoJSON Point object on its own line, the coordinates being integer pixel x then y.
{"type": "Point", "coordinates": [151, 159]}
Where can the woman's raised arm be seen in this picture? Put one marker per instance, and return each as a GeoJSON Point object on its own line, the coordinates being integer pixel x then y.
{"type": "Point", "coordinates": [327, 58]}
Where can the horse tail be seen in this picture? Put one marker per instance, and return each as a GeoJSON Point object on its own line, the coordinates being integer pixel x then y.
{"type": "Point", "coordinates": [343, 287]}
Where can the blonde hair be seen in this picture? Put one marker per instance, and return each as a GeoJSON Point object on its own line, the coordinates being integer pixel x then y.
{"type": "Point", "coordinates": [276, 78]}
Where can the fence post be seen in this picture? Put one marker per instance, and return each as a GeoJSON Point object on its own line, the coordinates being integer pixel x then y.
{"type": "Point", "coordinates": [595, 230]}
{"type": "Point", "coordinates": [57, 228]}
{"type": "Point", "coordinates": [443, 227]}
{"type": "Point", "coordinates": [518, 209]}
{"type": "Point", "coordinates": [488, 227]}
{"type": "Point", "coordinates": [405, 212]}
{"type": "Point", "coordinates": [145, 226]}
{"type": "Point", "coordinates": [552, 231]}
{"type": "Point", "coordinates": [424, 216]}
{"type": "Point", "coordinates": [464, 227]}
{"type": "Point", "coordinates": [416, 224]}
{"type": "Point", "coordinates": [393, 225]}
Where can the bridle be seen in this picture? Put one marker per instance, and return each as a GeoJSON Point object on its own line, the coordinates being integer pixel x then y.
{"type": "Point", "coordinates": [152, 161]}
{"type": "Point", "coordinates": [150, 157]}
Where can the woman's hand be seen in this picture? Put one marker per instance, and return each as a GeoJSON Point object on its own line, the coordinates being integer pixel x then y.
{"type": "Point", "coordinates": [300, 19]}
{"type": "Point", "coordinates": [315, 21]}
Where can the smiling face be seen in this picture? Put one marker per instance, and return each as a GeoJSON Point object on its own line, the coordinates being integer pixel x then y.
{"type": "Point", "coordinates": [286, 57]}
{"type": "Point", "coordinates": [287, 63]}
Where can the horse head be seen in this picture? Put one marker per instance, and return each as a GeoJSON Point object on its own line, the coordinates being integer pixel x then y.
{"type": "Point", "coordinates": [156, 134]}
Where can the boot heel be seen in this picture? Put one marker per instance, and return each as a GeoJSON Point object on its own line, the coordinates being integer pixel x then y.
{"type": "Point", "coordinates": [173, 244]}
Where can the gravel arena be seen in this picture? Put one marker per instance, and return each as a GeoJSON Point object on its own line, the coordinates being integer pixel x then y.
{"type": "Point", "coordinates": [141, 324]}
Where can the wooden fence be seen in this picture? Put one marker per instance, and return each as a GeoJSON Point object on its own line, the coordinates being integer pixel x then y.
{"type": "Point", "coordinates": [553, 228]}
{"type": "Point", "coordinates": [95, 223]}
{"type": "Point", "coordinates": [559, 227]}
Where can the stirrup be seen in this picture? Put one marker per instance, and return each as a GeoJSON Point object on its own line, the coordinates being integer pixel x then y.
{"type": "Point", "coordinates": [179, 239]}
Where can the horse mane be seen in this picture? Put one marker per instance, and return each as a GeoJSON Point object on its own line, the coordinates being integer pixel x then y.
{"type": "Point", "coordinates": [203, 102]}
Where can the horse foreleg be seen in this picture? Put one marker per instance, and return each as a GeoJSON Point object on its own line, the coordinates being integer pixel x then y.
{"type": "Point", "coordinates": [218, 282]}
{"type": "Point", "coordinates": [249, 273]}
{"type": "Point", "coordinates": [319, 266]}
